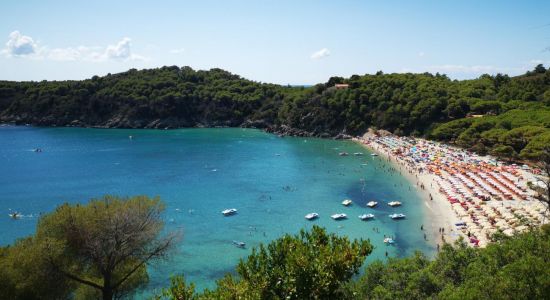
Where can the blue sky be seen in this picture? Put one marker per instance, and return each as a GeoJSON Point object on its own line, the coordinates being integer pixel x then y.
{"type": "Point", "coordinates": [286, 42]}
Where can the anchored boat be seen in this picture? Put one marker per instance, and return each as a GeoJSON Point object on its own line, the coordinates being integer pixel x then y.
{"type": "Point", "coordinates": [339, 216]}
{"type": "Point", "coordinates": [372, 204]}
{"type": "Point", "coordinates": [366, 217]}
{"type": "Point", "coordinates": [397, 216]}
{"type": "Point", "coordinates": [312, 216]}
{"type": "Point", "coordinates": [229, 211]}
{"type": "Point", "coordinates": [239, 244]}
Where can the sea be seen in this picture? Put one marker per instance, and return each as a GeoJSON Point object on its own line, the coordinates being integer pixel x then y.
{"type": "Point", "coordinates": [272, 181]}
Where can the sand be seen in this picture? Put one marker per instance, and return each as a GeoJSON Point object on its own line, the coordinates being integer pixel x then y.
{"type": "Point", "coordinates": [438, 211]}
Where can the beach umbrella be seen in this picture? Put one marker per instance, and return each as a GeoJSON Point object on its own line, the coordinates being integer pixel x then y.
{"type": "Point", "coordinates": [508, 232]}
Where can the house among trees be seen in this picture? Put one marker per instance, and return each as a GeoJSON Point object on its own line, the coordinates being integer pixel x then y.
{"type": "Point", "coordinates": [341, 86]}
{"type": "Point", "coordinates": [474, 116]}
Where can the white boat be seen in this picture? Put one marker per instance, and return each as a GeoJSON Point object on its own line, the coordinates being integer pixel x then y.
{"type": "Point", "coordinates": [347, 202]}
{"type": "Point", "coordinates": [365, 217]}
{"type": "Point", "coordinates": [397, 216]}
{"type": "Point", "coordinates": [339, 216]}
{"type": "Point", "coordinates": [229, 211]}
{"type": "Point", "coordinates": [15, 215]}
{"type": "Point", "coordinates": [312, 216]}
{"type": "Point", "coordinates": [372, 204]}
{"type": "Point", "coordinates": [358, 153]}
{"type": "Point", "coordinates": [239, 244]}
{"type": "Point", "coordinates": [343, 154]}
{"type": "Point", "coordinates": [394, 203]}
{"type": "Point", "coordinates": [389, 240]}
{"type": "Point", "coordinates": [373, 154]}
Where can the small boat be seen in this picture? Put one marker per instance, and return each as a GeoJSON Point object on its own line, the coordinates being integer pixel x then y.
{"type": "Point", "coordinates": [358, 153]}
{"type": "Point", "coordinates": [372, 204]}
{"type": "Point", "coordinates": [347, 202]}
{"type": "Point", "coordinates": [15, 215]}
{"type": "Point", "coordinates": [397, 216]}
{"type": "Point", "coordinates": [229, 211]}
{"type": "Point", "coordinates": [389, 240]}
{"type": "Point", "coordinates": [366, 217]}
{"type": "Point", "coordinates": [339, 216]}
{"type": "Point", "coordinates": [239, 244]}
{"type": "Point", "coordinates": [343, 154]}
{"type": "Point", "coordinates": [312, 216]}
{"type": "Point", "coordinates": [394, 203]}
{"type": "Point", "coordinates": [373, 154]}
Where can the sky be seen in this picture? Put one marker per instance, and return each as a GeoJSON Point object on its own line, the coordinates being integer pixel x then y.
{"type": "Point", "coordinates": [284, 42]}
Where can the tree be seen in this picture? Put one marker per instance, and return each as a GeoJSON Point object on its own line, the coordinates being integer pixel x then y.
{"type": "Point", "coordinates": [540, 69]}
{"type": "Point", "coordinates": [178, 290]}
{"type": "Point", "coordinates": [504, 151]}
{"type": "Point", "coordinates": [309, 265]}
{"type": "Point", "coordinates": [334, 80]}
{"type": "Point", "coordinates": [106, 244]}
{"type": "Point", "coordinates": [516, 267]}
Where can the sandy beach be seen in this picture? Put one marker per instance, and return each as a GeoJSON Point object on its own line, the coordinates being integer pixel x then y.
{"type": "Point", "coordinates": [463, 194]}
{"type": "Point", "coordinates": [437, 213]}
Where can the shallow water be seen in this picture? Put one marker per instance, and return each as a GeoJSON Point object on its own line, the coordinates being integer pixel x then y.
{"type": "Point", "coordinates": [272, 181]}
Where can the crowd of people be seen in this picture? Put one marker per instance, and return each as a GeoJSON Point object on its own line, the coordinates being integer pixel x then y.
{"type": "Point", "coordinates": [486, 196]}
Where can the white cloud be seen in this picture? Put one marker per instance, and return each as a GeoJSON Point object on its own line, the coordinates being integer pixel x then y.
{"type": "Point", "coordinates": [20, 45]}
{"type": "Point", "coordinates": [177, 51]}
{"type": "Point", "coordinates": [119, 51]}
{"type": "Point", "coordinates": [24, 46]}
{"type": "Point", "coordinates": [320, 54]}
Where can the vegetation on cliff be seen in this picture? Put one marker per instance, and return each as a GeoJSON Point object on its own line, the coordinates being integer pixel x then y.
{"type": "Point", "coordinates": [506, 116]}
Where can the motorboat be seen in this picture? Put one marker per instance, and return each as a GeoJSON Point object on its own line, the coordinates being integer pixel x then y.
{"type": "Point", "coordinates": [312, 216]}
{"type": "Point", "coordinates": [229, 211]}
{"type": "Point", "coordinates": [343, 154]}
{"type": "Point", "coordinates": [389, 240]}
{"type": "Point", "coordinates": [15, 215]}
{"type": "Point", "coordinates": [373, 154]}
{"type": "Point", "coordinates": [358, 153]}
{"type": "Point", "coordinates": [397, 216]}
{"type": "Point", "coordinates": [339, 216]}
{"type": "Point", "coordinates": [347, 202]}
{"type": "Point", "coordinates": [372, 204]}
{"type": "Point", "coordinates": [239, 244]}
{"type": "Point", "coordinates": [394, 203]}
{"type": "Point", "coordinates": [366, 217]}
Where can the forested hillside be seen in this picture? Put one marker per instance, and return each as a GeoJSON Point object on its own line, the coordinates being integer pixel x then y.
{"type": "Point", "coordinates": [506, 116]}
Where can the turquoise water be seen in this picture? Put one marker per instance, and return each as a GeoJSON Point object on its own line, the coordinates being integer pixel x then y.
{"type": "Point", "coordinates": [272, 181]}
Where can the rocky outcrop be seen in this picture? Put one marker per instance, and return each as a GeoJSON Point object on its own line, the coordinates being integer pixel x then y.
{"type": "Point", "coordinates": [122, 121]}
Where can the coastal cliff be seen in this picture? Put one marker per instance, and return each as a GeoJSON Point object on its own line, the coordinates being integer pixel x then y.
{"type": "Point", "coordinates": [497, 114]}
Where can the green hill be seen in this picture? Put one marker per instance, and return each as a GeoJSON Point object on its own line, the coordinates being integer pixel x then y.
{"type": "Point", "coordinates": [477, 114]}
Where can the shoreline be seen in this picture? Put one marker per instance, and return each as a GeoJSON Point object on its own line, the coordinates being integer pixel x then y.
{"type": "Point", "coordinates": [464, 194]}
{"type": "Point", "coordinates": [437, 214]}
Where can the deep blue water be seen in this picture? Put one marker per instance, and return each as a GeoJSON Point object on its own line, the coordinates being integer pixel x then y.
{"type": "Point", "coordinates": [272, 181]}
